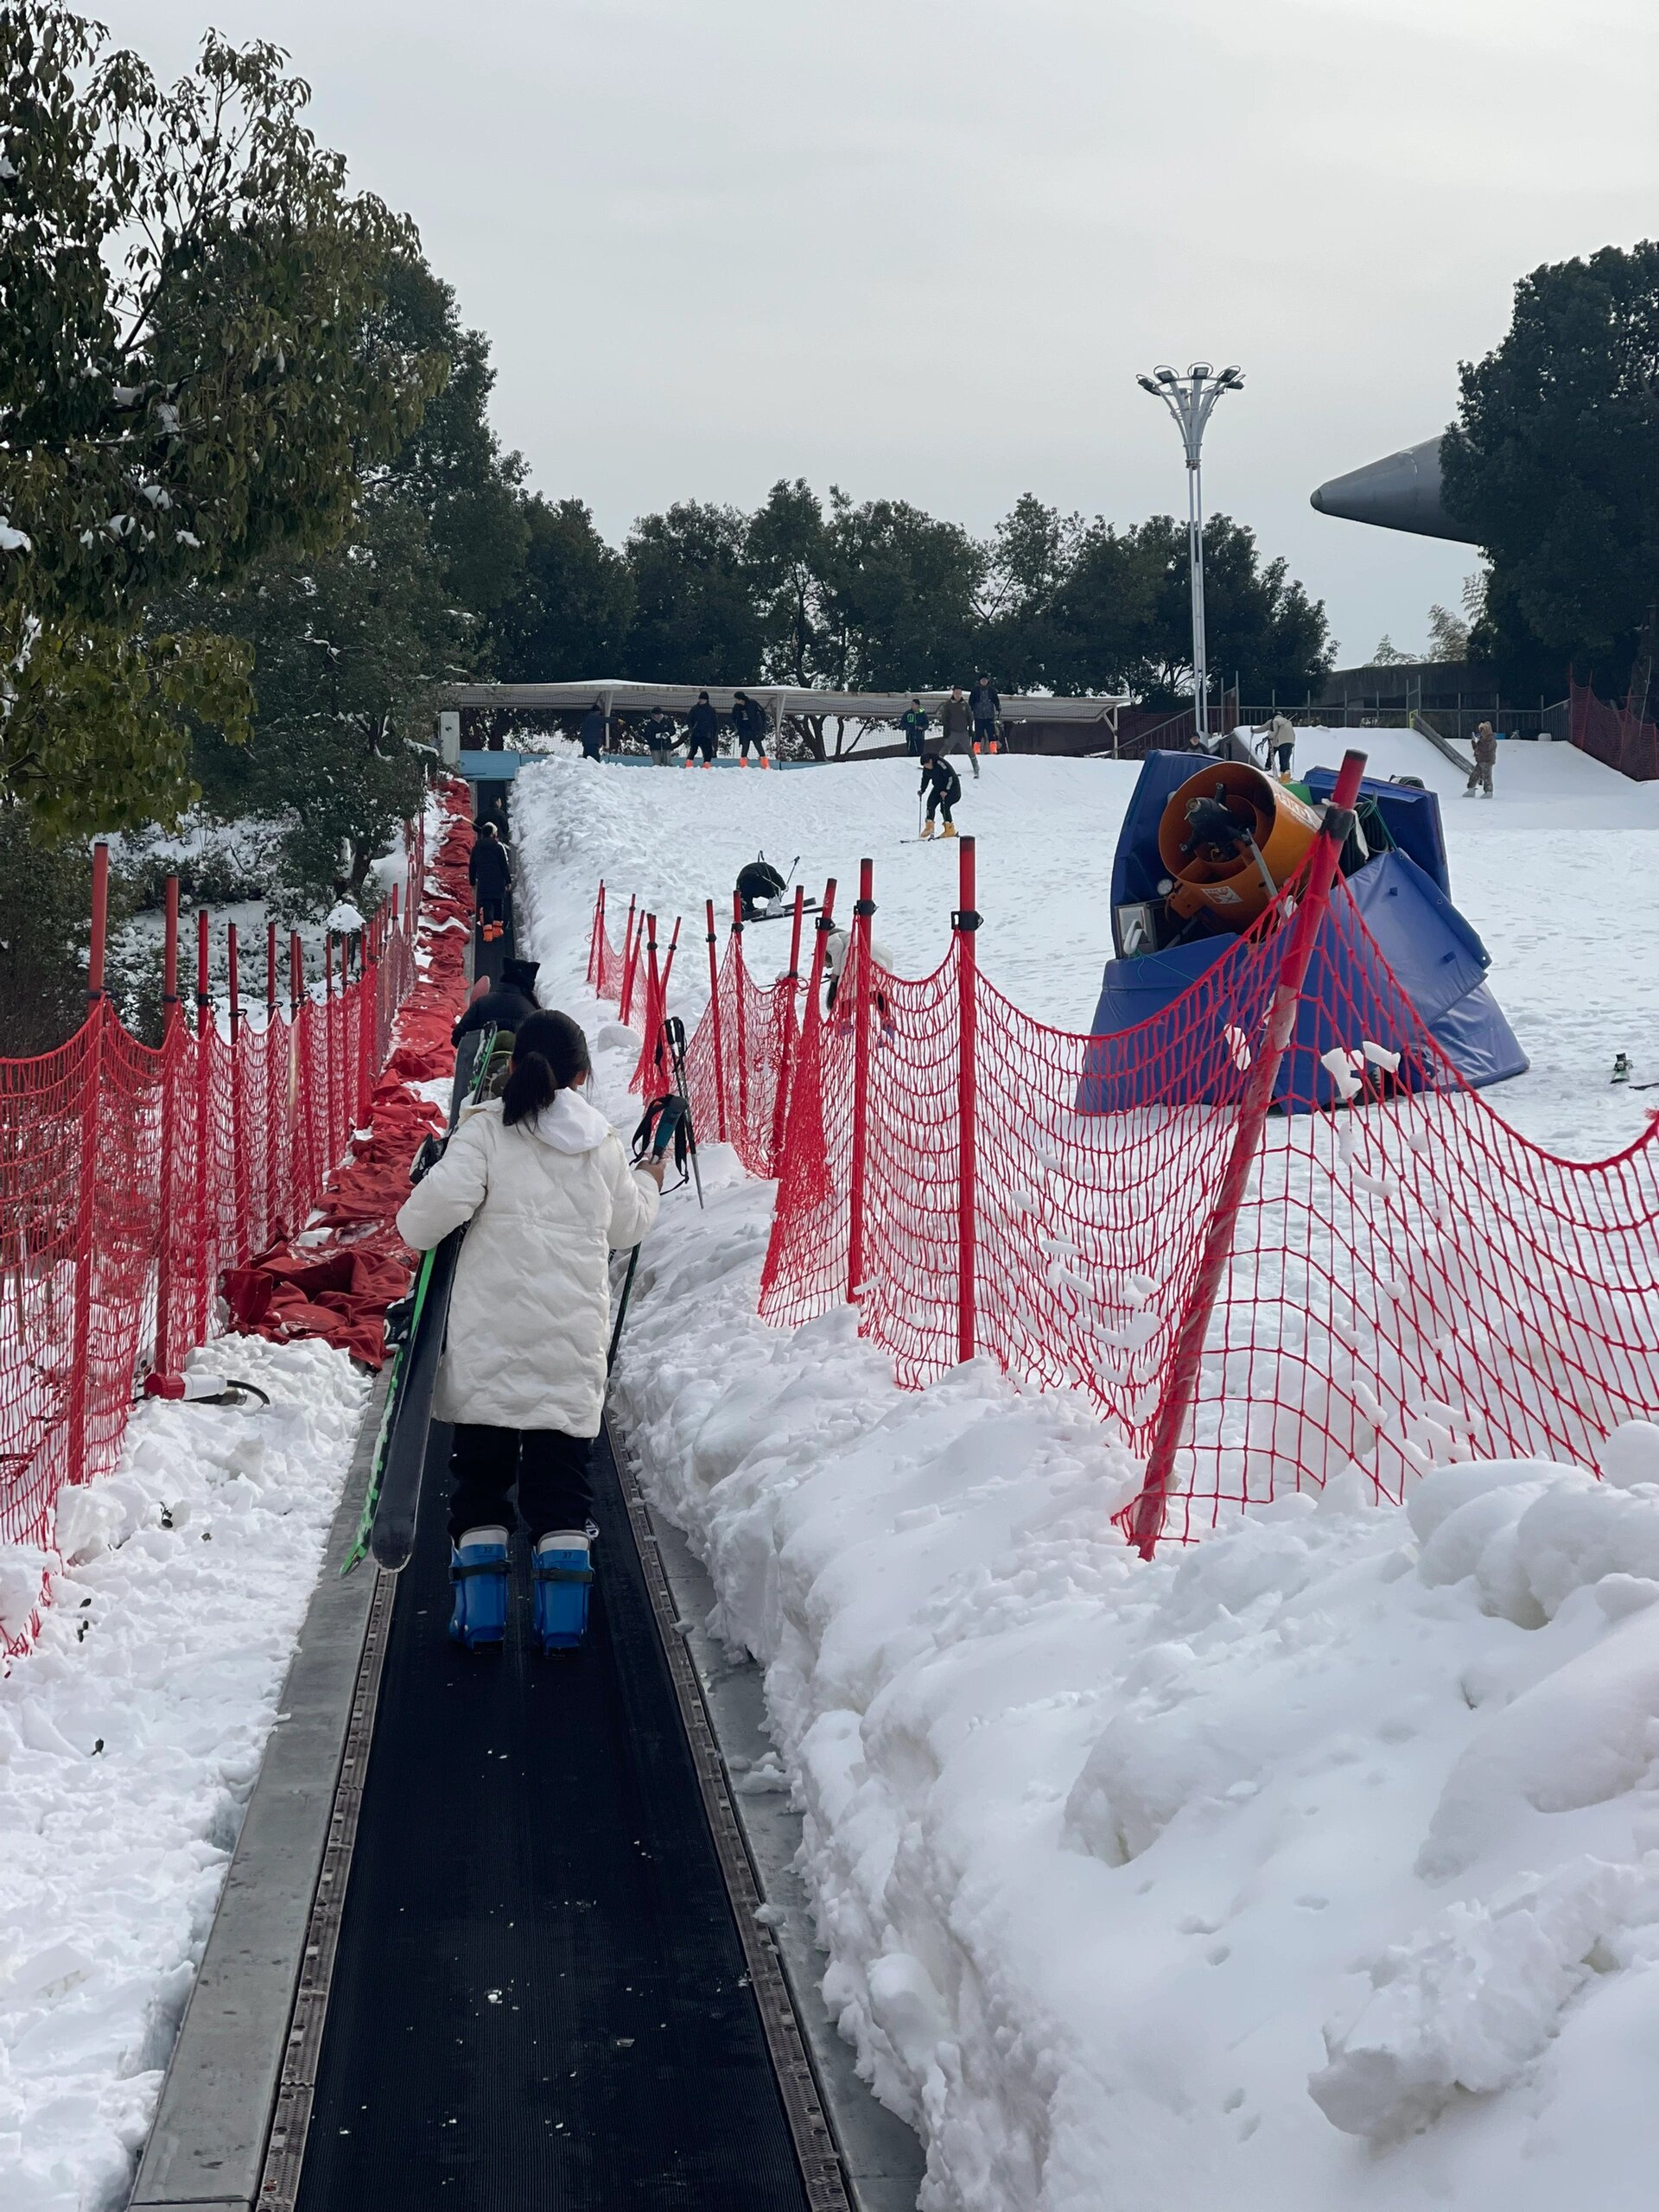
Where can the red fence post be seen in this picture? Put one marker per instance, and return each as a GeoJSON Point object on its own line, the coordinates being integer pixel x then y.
{"type": "Point", "coordinates": [651, 1055]}
{"type": "Point", "coordinates": [862, 910]}
{"type": "Point", "coordinates": [630, 937]}
{"type": "Point", "coordinates": [302, 1146]}
{"type": "Point", "coordinates": [206, 1151]}
{"type": "Point", "coordinates": [1181, 1378]}
{"type": "Point", "coordinates": [330, 1110]}
{"type": "Point", "coordinates": [965, 921]}
{"type": "Point", "coordinates": [80, 1379]}
{"type": "Point", "coordinates": [368, 996]}
{"type": "Point", "coordinates": [172, 1048]}
{"type": "Point", "coordinates": [239, 1150]}
{"type": "Point", "coordinates": [792, 982]}
{"type": "Point", "coordinates": [739, 982]}
{"type": "Point", "coordinates": [713, 1010]}
{"type": "Point", "coordinates": [596, 939]}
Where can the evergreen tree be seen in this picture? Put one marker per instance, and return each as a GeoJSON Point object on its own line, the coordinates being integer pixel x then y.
{"type": "Point", "coordinates": [696, 614]}
{"type": "Point", "coordinates": [1553, 465]}
{"type": "Point", "coordinates": [570, 613]}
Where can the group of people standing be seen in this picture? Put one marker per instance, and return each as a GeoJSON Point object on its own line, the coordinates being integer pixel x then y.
{"type": "Point", "coordinates": [973, 718]}
{"type": "Point", "coordinates": [661, 731]}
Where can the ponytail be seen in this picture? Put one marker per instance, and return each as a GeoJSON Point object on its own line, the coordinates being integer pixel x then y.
{"type": "Point", "coordinates": [550, 1053]}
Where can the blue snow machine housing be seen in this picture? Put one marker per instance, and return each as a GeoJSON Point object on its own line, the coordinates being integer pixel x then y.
{"type": "Point", "coordinates": [1179, 905]}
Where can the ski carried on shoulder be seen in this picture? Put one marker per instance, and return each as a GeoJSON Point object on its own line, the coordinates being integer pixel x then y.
{"type": "Point", "coordinates": [416, 1326]}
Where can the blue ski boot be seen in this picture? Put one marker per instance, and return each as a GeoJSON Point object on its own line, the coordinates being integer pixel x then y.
{"type": "Point", "coordinates": [562, 1577]}
{"type": "Point", "coordinates": [478, 1568]}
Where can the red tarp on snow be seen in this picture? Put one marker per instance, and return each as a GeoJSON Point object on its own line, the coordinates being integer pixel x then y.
{"type": "Point", "coordinates": [338, 1286]}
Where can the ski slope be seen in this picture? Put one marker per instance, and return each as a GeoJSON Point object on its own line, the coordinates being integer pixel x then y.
{"type": "Point", "coordinates": [1559, 873]}
{"type": "Point", "coordinates": [1317, 1865]}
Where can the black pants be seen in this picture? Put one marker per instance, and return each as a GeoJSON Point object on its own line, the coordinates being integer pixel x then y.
{"type": "Point", "coordinates": [549, 1468]}
{"type": "Point", "coordinates": [759, 743]}
{"type": "Point", "coordinates": [703, 746]}
{"type": "Point", "coordinates": [938, 799]}
{"type": "Point", "coordinates": [1284, 755]}
{"type": "Point", "coordinates": [985, 734]}
{"type": "Point", "coordinates": [489, 910]}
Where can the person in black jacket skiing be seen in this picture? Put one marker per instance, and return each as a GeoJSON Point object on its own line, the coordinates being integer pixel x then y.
{"type": "Point", "coordinates": [749, 720]}
{"type": "Point", "coordinates": [759, 886]}
{"type": "Point", "coordinates": [943, 788]}
{"type": "Point", "coordinates": [505, 1006]}
{"type": "Point", "coordinates": [490, 872]}
{"type": "Point", "coordinates": [702, 727]}
{"type": "Point", "coordinates": [593, 731]}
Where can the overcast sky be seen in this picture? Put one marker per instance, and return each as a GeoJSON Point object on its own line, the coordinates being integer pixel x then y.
{"type": "Point", "coordinates": [919, 248]}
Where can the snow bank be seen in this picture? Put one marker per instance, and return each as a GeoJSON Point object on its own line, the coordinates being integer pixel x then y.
{"type": "Point", "coordinates": [1318, 1865]}
{"type": "Point", "coordinates": [130, 1740]}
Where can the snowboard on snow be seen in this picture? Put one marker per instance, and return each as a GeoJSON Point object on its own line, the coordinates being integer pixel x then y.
{"type": "Point", "coordinates": [416, 1326]}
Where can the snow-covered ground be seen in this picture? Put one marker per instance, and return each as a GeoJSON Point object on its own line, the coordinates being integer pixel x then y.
{"type": "Point", "coordinates": [1559, 873]}
{"type": "Point", "coordinates": [130, 1740]}
{"type": "Point", "coordinates": [1316, 1865]}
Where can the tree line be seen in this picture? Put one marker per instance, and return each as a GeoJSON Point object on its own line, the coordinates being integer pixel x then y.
{"type": "Point", "coordinates": [879, 596]}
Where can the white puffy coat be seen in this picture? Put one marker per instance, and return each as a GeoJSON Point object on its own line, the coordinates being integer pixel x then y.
{"type": "Point", "coordinates": [530, 1314]}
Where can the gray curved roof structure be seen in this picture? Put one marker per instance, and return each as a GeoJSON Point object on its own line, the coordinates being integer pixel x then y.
{"type": "Point", "coordinates": [1402, 492]}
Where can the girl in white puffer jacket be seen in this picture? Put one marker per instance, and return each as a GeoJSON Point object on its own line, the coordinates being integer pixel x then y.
{"type": "Point", "coordinates": [546, 1183]}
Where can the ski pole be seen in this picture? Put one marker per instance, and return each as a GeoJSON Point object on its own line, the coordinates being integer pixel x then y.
{"type": "Point", "coordinates": [672, 1113]}
{"type": "Point", "coordinates": [674, 1032]}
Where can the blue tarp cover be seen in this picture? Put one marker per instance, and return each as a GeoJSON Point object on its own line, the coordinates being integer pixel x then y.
{"type": "Point", "coordinates": [1438, 960]}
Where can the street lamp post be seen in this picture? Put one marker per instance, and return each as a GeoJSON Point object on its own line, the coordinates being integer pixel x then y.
{"type": "Point", "coordinates": [1192, 400]}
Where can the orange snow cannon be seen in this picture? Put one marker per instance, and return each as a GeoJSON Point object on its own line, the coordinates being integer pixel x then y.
{"type": "Point", "coordinates": [1228, 837]}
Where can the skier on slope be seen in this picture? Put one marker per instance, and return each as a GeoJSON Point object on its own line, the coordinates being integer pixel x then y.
{"type": "Point", "coordinates": [1279, 743]}
{"type": "Point", "coordinates": [759, 886]}
{"type": "Point", "coordinates": [506, 1006]}
{"type": "Point", "coordinates": [1485, 751]}
{"type": "Point", "coordinates": [942, 787]}
{"type": "Point", "coordinates": [489, 870]}
{"type": "Point", "coordinates": [913, 722]}
{"type": "Point", "coordinates": [547, 1181]}
{"type": "Point", "coordinates": [701, 730]}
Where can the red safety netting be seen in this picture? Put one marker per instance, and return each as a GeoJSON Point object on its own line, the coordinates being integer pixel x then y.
{"type": "Point", "coordinates": [1410, 1281]}
{"type": "Point", "coordinates": [1619, 737]}
{"type": "Point", "coordinates": [336, 1279]}
{"type": "Point", "coordinates": [135, 1184]}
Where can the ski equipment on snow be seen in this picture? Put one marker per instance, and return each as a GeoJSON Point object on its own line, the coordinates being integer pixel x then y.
{"type": "Point", "coordinates": [665, 1122]}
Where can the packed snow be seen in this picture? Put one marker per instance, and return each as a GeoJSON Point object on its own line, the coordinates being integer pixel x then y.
{"type": "Point", "coordinates": [131, 1737]}
{"type": "Point", "coordinates": [1559, 873]}
{"type": "Point", "coordinates": [1316, 1865]}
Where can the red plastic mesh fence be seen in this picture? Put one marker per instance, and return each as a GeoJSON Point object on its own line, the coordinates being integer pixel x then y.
{"type": "Point", "coordinates": [1619, 737]}
{"type": "Point", "coordinates": [1411, 1282]}
{"type": "Point", "coordinates": [133, 1179]}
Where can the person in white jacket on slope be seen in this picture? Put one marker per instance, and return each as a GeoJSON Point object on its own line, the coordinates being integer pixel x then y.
{"type": "Point", "coordinates": [546, 1184]}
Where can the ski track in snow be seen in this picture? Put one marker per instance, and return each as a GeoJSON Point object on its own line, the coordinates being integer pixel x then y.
{"type": "Point", "coordinates": [130, 1741]}
{"type": "Point", "coordinates": [1318, 1865]}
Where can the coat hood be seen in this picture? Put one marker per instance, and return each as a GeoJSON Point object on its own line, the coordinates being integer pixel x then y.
{"type": "Point", "coordinates": [570, 1124]}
